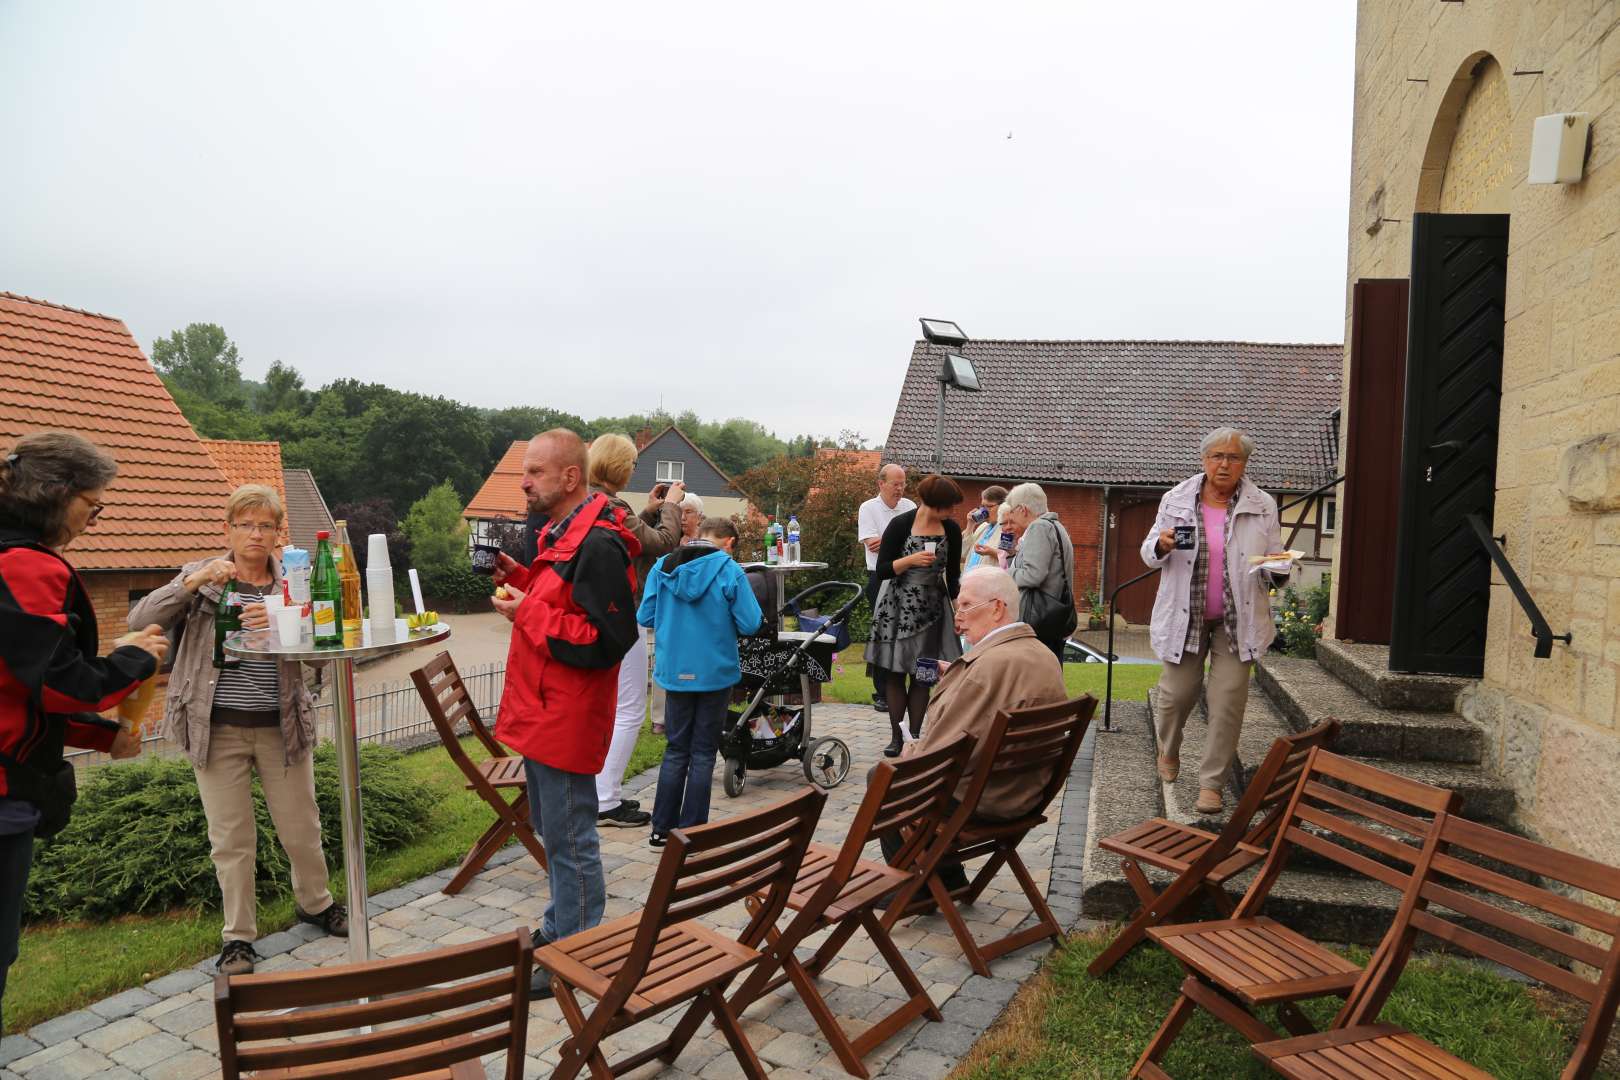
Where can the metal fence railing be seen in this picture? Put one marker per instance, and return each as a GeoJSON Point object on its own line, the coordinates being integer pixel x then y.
{"type": "Point", "coordinates": [388, 713]}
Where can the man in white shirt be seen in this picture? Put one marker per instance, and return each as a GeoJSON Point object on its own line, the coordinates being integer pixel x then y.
{"type": "Point", "coordinates": [875, 515]}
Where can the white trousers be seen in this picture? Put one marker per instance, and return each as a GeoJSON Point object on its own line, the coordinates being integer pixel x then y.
{"type": "Point", "coordinates": [627, 720]}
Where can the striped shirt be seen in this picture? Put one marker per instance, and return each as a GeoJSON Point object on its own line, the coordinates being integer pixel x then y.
{"type": "Point", "coordinates": [252, 685]}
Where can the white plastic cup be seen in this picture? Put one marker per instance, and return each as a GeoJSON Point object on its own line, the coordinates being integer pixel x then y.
{"type": "Point", "coordinates": [289, 623]}
{"type": "Point", "coordinates": [376, 550]}
{"type": "Point", "coordinates": [929, 546]}
{"type": "Point", "coordinates": [273, 602]}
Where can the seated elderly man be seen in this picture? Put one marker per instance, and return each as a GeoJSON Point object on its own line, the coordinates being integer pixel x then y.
{"type": "Point", "coordinates": [1006, 667]}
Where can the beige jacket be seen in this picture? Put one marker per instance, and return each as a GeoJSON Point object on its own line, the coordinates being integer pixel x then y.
{"type": "Point", "coordinates": [1012, 670]}
{"type": "Point", "coordinates": [190, 700]}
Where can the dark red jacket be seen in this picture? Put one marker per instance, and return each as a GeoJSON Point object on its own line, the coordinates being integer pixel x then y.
{"type": "Point", "coordinates": [51, 680]}
{"type": "Point", "coordinates": [576, 622]}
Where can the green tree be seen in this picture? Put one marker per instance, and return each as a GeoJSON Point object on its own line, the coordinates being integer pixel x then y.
{"type": "Point", "coordinates": [283, 390]}
{"type": "Point", "coordinates": [215, 420]}
{"type": "Point", "coordinates": [520, 423]}
{"type": "Point", "coordinates": [436, 531]}
{"type": "Point", "coordinates": [202, 360]}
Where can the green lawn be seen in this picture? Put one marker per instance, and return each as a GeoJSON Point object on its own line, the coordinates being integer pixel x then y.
{"type": "Point", "coordinates": [63, 966]}
{"type": "Point", "coordinates": [1131, 681]}
{"type": "Point", "coordinates": [1067, 1024]}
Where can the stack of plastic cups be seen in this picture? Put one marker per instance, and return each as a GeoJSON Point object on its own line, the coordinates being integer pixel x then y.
{"type": "Point", "coordinates": [380, 588]}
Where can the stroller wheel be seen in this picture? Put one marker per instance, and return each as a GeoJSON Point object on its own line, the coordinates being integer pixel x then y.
{"type": "Point", "coordinates": [826, 763]}
{"type": "Point", "coordinates": [735, 779]}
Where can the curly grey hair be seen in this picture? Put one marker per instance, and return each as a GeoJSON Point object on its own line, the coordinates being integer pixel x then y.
{"type": "Point", "coordinates": [1223, 435]}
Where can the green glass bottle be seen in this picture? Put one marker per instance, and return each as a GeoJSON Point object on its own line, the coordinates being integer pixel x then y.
{"type": "Point", "coordinates": [227, 620]}
{"type": "Point", "coordinates": [326, 595]}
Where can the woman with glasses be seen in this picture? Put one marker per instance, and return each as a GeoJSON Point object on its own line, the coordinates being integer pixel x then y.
{"type": "Point", "coordinates": [52, 683]}
{"type": "Point", "coordinates": [1210, 606]}
{"type": "Point", "coordinates": [252, 716]}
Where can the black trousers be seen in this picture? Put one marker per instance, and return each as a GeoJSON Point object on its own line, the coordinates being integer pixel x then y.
{"type": "Point", "coordinates": [16, 854]}
{"type": "Point", "coordinates": [878, 691]}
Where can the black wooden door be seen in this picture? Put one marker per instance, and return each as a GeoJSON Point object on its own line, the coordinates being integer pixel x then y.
{"type": "Point", "coordinates": [1372, 461]}
{"type": "Point", "coordinates": [1448, 444]}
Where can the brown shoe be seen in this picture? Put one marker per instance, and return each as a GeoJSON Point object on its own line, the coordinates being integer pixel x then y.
{"type": "Point", "coordinates": [237, 958]}
{"type": "Point", "coordinates": [1209, 801]}
{"type": "Point", "coordinates": [1169, 769]}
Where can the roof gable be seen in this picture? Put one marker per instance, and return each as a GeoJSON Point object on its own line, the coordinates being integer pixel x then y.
{"type": "Point", "coordinates": [501, 495]}
{"type": "Point", "coordinates": [703, 477]}
{"type": "Point", "coordinates": [71, 370]}
{"type": "Point", "coordinates": [245, 462]}
{"type": "Point", "coordinates": [306, 508]}
{"type": "Point", "coordinates": [1123, 412]}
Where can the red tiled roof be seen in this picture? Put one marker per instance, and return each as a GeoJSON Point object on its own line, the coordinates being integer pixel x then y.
{"type": "Point", "coordinates": [72, 370]}
{"type": "Point", "coordinates": [1124, 412]}
{"type": "Point", "coordinates": [854, 459]}
{"type": "Point", "coordinates": [251, 463]}
{"type": "Point", "coordinates": [501, 496]}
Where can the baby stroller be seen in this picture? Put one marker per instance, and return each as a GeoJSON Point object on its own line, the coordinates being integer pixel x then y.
{"type": "Point", "coordinates": [761, 734]}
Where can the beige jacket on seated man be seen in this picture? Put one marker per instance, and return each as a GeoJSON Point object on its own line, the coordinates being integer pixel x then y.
{"type": "Point", "coordinates": [1006, 667]}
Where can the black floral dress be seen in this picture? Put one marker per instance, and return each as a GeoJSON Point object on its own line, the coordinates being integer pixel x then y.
{"type": "Point", "coordinates": [913, 616]}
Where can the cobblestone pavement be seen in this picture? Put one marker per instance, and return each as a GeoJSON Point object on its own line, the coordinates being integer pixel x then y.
{"type": "Point", "coordinates": [165, 1029]}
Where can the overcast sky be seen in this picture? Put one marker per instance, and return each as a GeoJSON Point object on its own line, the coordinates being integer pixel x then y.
{"type": "Point", "coordinates": [737, 208]}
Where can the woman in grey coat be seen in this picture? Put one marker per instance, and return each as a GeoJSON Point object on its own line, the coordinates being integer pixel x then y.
{"type": "Point", "coordinates": [1044, 564]}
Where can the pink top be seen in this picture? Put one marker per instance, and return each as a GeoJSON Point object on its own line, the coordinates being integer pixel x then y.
{"type": "Point", "coordinates": [1215, 537]}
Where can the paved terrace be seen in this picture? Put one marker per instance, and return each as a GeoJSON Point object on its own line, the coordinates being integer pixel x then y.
{"type": "Point", "coordinates": [165, 1029]}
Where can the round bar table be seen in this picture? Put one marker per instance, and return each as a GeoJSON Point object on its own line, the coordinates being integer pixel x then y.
{"type": "Point", "coordinates": [263, 645]}
{"type": "Point", "coordinates": [778, 573]}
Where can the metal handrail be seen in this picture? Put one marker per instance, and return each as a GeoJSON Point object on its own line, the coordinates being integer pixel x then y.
{"type": "Point", "coordinates": [1330, 485]}
{"type": "Point", "coordinates": [1538, 622]}
{"type": "Point", "coordinates": [1108, 694]}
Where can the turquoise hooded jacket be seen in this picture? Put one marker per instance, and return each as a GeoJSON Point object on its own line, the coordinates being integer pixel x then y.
{"type": "Point", "coordinates": [697, 602]}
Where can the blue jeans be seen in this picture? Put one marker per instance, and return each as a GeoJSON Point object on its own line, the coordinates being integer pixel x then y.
{"type": "Point", "coordinates": [562, 806]}
{"type": "Point", "coordinates": [16, 856]}
{"type": "Point", "coordinates": [693, 720]}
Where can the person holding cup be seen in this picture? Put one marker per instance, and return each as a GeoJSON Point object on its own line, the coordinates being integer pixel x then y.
{"type": "Point", "coordinates": [983, 543]}
{"type": "Point", "coordinates": [1209, 605]}
{"type": "Point", "coordinates": [919, 564]}
{"type": "Point", "coordinates": [254, 716]}
{"type": "Point", "coordinates": [52, 683]}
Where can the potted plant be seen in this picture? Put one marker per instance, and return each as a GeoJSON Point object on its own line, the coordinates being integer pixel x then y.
{"type": "Point", "coordinates": [1093, 601]}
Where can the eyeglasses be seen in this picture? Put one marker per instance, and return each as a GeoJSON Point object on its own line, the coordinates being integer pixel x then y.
{"type": "Point", "coordinates": [1226, 459]}
{"type": "Point", "coordinates": [95, 507]}
{"type": "Point", "coordinates": [252, 528]}
{"type": "Point", "coordinates": [963, 609]}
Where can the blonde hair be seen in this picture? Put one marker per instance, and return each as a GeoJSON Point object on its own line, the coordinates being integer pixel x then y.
{"type": "Point", "coordinates": [611, 460]}
{"type": "Point", "coordinates": [253, 497]}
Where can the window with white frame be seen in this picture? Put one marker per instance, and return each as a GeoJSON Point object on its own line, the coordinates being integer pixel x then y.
{"type": "Point", "coordinates": [671, 472]}
{"type": "Point", "coordinates": [1330, 516]}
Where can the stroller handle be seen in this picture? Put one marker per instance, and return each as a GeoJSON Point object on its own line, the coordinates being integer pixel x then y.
{"type": "Point", "coordinates": [856, 592]}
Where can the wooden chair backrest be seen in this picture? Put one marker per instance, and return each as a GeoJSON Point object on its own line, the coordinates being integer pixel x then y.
{"type": "Point", "coordinates": [448, 704]}
{"type": "Point", "coordinates": [1040, 741]}
{"type": "Point", "coordinates": [1435, 905]}
{"type": "Point", "coordinates": [1261, 809]}
{"type": "Point", "coordinates": [487, 1012]}
{"type": "Point", "coordinates": [713, 866]}
{"type": "Point", "coordinates": [912, 796]}
{"type": "Point", "coordinates": [1336, 810]}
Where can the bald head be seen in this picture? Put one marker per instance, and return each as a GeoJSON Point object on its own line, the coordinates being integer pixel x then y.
{"type": "Point", "coordinates": [554, 472]}
{"type": "Point", "coordinates": [891, 484]}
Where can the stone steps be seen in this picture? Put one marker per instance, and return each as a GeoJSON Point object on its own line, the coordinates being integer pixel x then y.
{"type": "Point", "coordinates": [1306, 694]}
{"type": "Point", "coordinates": [1365, 669]}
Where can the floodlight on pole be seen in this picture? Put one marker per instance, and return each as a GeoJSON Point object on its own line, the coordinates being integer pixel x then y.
{"type": "Point", "coordinates": [955, 370]}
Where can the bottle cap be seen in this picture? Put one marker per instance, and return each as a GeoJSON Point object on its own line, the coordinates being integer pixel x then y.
{"type": "Point", "coordinates": [323, 535]}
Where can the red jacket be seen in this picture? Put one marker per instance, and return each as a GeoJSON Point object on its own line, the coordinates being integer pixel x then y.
{"type": "Point", "coordinates": [576, 622]}
{"type": "Point", "coordinates": [49, 670]}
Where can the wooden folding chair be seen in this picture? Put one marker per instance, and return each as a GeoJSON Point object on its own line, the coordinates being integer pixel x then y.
{"type": "Point", "coordinates": [1036, 746]}
{"type": "Point", "coordinates": [444, 1010]}
{"type": "Point", "coordinates": [1359, 1046]}
{"type": "Point", "coordinates": [838, 890]}
{"type": "Point", "coordinates": [448, 703]}
{"type": "Point", "coordinates": [1201, 860]}
{"type": "Point", "coordinates": [1371, 822]}
{"type": "Point", "coordinates": [659, 957]}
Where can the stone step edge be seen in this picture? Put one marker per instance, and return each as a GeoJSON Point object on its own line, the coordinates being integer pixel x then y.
{"type": "Point", "coordinates": [1352, 664]}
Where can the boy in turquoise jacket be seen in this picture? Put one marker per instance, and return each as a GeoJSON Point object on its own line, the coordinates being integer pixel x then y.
{"type": "Point", "coordinates": [697, 601]}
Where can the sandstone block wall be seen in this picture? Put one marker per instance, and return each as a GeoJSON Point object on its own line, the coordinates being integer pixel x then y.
{"type": "Point", "coordinates": [1445, 98]}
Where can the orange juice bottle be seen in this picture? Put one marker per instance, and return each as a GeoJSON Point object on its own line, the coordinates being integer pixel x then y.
{"type": "Point", "coordinates": [132, 710]}
{"type": "Point", "coordinates": [349, 575]}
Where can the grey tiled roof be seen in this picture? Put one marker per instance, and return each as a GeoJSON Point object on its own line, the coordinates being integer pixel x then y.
{"type": "Point", "coordinates": [1124, 412]}
{"type": "Point", "coordinates": [306, 509]}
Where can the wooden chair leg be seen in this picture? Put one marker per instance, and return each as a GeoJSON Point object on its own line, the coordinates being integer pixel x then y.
{"type": "Point", "coordinates": [481, 852]}
{"type": "Point", "coordinates": [1129, 937]}
{"type": "Point", "coordinates": [524, 829]}
{"type": "Point", "coordinates": [828, 952]}
{"type": "Point", "coordinates": [953, 919]}
{"type": "Point", "coordinates": [823, 1015]}
{"type": "Point", "coordinates": [575, 1055]}
{"type": "Point", "coordinates": [1293, 1020]}
{"type": "Point", "coordinates": [1221, 899]}
{"type": "Point", "coordinates": [726, 1021]}
{"type": "Point", "coordinates": [986, 874]}
{"type": "Point", "coordinates": [1139, 883]}
{"type": "Point", "coordinates": [1148, 1064]}
{"type": "Point", "coordinates": [897, 963]}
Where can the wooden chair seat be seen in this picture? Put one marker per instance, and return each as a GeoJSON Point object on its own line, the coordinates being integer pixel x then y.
{"type": "Point", "coordinates": [1258, 959]}
{"type": "Point", "coordinates": [500, 772]}
{"type": "Point", "coordinates": [869, 882]}
{"type": "Point", "coordinates": [1371, 1050]}
{"type": "Point", "coordinates": [687, 955]}
{"type": "Point", "coordinates": [462, 1070]}
{"type": "Point", "coordinates": [1174, 847]}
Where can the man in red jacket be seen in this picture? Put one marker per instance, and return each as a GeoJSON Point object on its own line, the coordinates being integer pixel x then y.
{"type": "Point", "coordinates": [573, 618]}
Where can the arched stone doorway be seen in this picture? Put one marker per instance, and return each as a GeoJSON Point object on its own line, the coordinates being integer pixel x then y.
{"type": "Point", "coordinates": [1468, 164]}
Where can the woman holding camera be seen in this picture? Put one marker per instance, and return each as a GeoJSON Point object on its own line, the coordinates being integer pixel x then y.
{"type": "Point", "coordinates": [1209, 605]}
{"type": "Point", "coordinates": [52, 683]}
{"type": "Point", "coordinates": [918, 572]}
{"type": "Point", "coordinates": [249, 717]}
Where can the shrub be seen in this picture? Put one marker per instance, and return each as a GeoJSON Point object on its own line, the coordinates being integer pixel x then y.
{"type": "Point", "coordinates": [138, 840]}
{"type": "Point", "coordinates": [1296, 627]}
{"type": "Point", "coordinates": [458, 588]}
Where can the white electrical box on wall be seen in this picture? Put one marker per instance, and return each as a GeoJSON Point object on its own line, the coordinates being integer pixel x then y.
{"type": "Point", "coordinates": [1558, 148]}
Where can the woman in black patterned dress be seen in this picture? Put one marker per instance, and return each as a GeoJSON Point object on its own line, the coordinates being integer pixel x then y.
{"type": "Point", "coordinates": [918, 570]}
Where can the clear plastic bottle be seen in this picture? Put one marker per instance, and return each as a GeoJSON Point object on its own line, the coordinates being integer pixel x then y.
{"type": "Point", "coordinates": [795, 552]}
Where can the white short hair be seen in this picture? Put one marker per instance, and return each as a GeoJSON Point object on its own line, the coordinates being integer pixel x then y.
{"type": "Point", "coordinates": [1223, 435]}
{"type": "Point", "coordinates": [993, 583]}
{"type": "Point", "coordinates": [1030, 496]}
{"type": "Point", "coordinates": [690, 501]}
